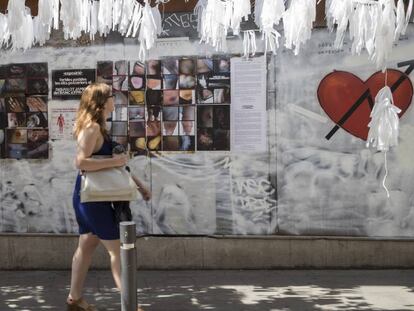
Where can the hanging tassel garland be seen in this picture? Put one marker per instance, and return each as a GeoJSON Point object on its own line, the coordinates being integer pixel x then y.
{"type": "Point", "coordinates": [338, 12]}
{"type": "Point", "coordinates": [298, 22]}
{"type": "Point", "coordinates": [249, 43]}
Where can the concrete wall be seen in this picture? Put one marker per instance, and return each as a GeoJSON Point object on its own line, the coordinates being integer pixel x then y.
{"type": "Point", "coordinates": [50, 252]}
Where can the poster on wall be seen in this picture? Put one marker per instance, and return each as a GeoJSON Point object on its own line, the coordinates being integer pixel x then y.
{"type": "Point", "coordinates": [248, 115]}
{"type": "Point", "coordinates": [69, 84]}
{"type": "Point", "coordinates": [62, 119]}
{"type": "Point", "coordinates": [23, 111]}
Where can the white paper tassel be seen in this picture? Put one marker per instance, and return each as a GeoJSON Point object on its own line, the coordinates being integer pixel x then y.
{"type": "Point", "coordinates": [400, 19]}
{"type": "Point", "coordinates": [15, 14]}
{"type": "Point", "coordinates": [23, 37]}
{"type": "Point", "coordinates": [135, 20]}
{"type": "Point", "coordinates": [384, 125]}
{"type": "Point", "coordinates": [105, 16]}
{"type": "Point", "coordinates": [198, 11]}
{"type": "Point", "coordinates": [249, 43]}
{"type": "Point", "coordinates": [148, 31]}
{"type": "Point", "coordinates": [269, 14]}
{"type": "Point", "coordinates": [214, 24]}
{"type": "Point", "coordinates": [298, 22]}
{"type": "Point", "coordinates": [338, 12]}
{"type": "Point", "coordinates": [94, 19]}
{"type": "Point", "coordinates": [362, 27]}
{"type": "Point", "coordinates": [126, 15]}
{"type": "Point", "coordinates": [76, 17]}
{"type": "Point", "coordinates": [240, 9]}
{"type": "Point", "coordinates": [4, 31]}
{"type": "Point", "coordinates": [384, 33]}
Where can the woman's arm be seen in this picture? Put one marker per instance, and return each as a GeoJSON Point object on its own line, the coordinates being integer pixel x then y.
{"type": "Point", "coordinates": [86, 143]}
{"type": "Point", "coordinates": [145, 192]}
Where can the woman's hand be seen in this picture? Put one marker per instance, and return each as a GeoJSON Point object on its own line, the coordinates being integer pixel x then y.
{"type": "Point", "coordinates": [120, 159]}
{"type": "Point", "coordinates": [146, 194]}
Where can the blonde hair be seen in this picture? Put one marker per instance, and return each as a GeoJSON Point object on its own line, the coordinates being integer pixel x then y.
{"type": "Point", "coordinates": [91, 108]}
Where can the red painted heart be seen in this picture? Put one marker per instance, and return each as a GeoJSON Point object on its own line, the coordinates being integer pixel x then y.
{"type": "Point", "coordinates": [339, 91]}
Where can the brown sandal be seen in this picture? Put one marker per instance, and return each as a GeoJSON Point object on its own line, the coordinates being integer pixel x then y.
{"type": "Point", "coordinates": [80, 305]}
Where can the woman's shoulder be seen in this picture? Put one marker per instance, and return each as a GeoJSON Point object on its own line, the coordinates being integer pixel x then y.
{"type": "Point", "coordinates": [91, 129]}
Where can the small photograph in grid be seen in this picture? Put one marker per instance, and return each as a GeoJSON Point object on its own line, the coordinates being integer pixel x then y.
{"type": "Point", "coordinates": [187, 66]}
{"type": "Point", "coordinates": [154, 83]}
{"type": "Point", "coordinates": [205, 116]}
{"type": "Point", "coordinates": [37, 70]}
{"type": "Point", "coordinates": [170, 113]}
{"type": "Point", "coordinates": [221, 139]}
{"type": "Point", "coordinates": [37, 86]}
{"type": "Point", "coordinates": [170, 128]}
{"type": "Point", "coordinates": [120, 68]}
{"type": "Point", "coordinates": [153, 113]}
{"type": "Point", "coordinates": [154, 98]}
{"type": "Point", "coordinates": [136, 113]}
{"type": "Point", "coordinates": [121, 140]}
{"type": "Point", "coordinates": [186, 128]}
{"type": "Point", "coordinates": [37, 119]}
{"type": "Point", "coordinates": [137, 129]}
{"type": "Point", "coordinates": [221, 65]}
{"type": "Point", "coordinates": [203, 81]}
{"type": "Point", "coordinates": [2, 105]}
{"type": "Point", "coordinates": [16, 119]}
{"type": "Point", "coordinates": [119, 128]}
{"type": "Point", "coordinates": [221, 117]}
{"type": "Point", "coordinates": [3, 120]}
{"type": "Point", "coordinates": [2, 143]}
{"type": "Point", "coordinates": [153, 128]}
{"type": "Point", "coordinates": [205, 139]}
{"type": "Point", "coordinates": [187, 143]}
{"type": "Point", "coordinates": [169, 66]}
{"type": "Point", "coordinates": [104, 72]}
{"type": "Point", "coordinates": [120, 98]}
{"type": "Point", "coordinates": [136, 98]}
{"type": "Point", "coordinates": [16, 71]}
{"type": "Point", "coordinates": [187, 97]}
{"type": "Point", "coordinates": [222, 96]}
{"type": "Point", "coordinates": [154, 143]}
{"type": "Point", "coordinates": [219, 81]}
{"type": "Point", "coordinates": [16, 104]}
{"type": "Point", "coordinates": [170, 97]}
{"type": "Point", "coordinates": [16, 151]}
{"type": "Point", "coordinates": [138, 144]}
{"type": "Point", "coordinates": [15, 85]}
{"type": "Point", "coordinates": [170, 82]}
{"type": "Point", "coordinates": [204, 65]}
{"type": "Point", "coordinates": [2, 86]}
{"type": "Point", "coordinates": [205, 96]}
{"type": "Point", "coordinates": [16, 136]}
{"type": "Point", "coordinates": [187, 82]}
{"type": "Point", "coordinates": [120, 113]}
{"type": "Point", "coordinates": [170, 143]}
{"type": "Point", "coordinates": [187, 113]}
{"type": "Point", "coordinates": [37, 144]}
{"type": "Point", "coordinates": [37, 103]}
{"type": "Point", "coordinates": [137, 68]}
{"type": "Point", "coordinates": [3, 71]}
{"type": "Point", "coordinates": [136, 83]}
{"type": "Point", "coordinates": [120, 83]}
{"type": "Point", "coordinates": [154, 67]}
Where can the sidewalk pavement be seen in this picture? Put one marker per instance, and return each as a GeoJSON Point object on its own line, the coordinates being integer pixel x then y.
{"type": "Point", "coordinates": [275, 290]}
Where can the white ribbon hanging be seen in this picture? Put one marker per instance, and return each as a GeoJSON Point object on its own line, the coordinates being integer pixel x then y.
{"type": "Point", "coordinates": [128, 7]}
{"type": "Point", "coordinates": [338, 12]}
{"type": "Point", "coordinates": [384, 126]}
{"type": "Point", "coordinates": [4, 31]}
{"type": "Point", "coordinates": [268, 13]}
{"type": "Point", "coordinates": [239, 9]}
{"type": "Point", "coordinates": [148, 31]}
{"type": "Point", "coordinates": [384, 32]}
{"type": "Point", "coordinates": [249, 43]}
{"type": "Point", "coordinates": [298, 22]}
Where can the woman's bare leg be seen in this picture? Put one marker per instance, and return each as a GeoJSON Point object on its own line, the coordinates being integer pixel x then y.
{"type": "Point", "coordinates": [113, 247]}
{"type": "Point", "coordinates": [81, 262]}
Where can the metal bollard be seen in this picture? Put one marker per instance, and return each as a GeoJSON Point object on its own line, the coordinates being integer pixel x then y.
{"type": "Point", "coordinates": [128, 266]}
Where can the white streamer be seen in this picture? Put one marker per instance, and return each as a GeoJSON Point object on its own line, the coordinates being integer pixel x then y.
{"type": "Point", "coordinates": [249, 43]}
{"type": "Point", "coordinates": [298, 22]}
{"type": "Point", "coordinates": [338, 12]}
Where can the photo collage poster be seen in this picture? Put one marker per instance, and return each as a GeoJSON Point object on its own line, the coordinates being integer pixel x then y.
{"type": "Point", "coordinates": [24, 132]}
{"type": "Point", "coordinates": [157, 104]}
